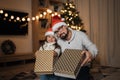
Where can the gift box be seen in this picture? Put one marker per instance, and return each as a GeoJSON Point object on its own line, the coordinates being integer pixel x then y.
{"type": "Point", "coordinates": [44, 62]}
{"type": "Point", "coordinates": [68, 65]}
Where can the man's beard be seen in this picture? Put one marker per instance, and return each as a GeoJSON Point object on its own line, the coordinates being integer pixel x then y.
{"type": "Point", "coordinates": [64, 36]}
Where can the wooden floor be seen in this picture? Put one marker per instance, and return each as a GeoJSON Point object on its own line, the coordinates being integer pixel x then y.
{"type": "Point", "coordinates": [8, 73]}
{"type": "Point", "coordinates": [103, 74]}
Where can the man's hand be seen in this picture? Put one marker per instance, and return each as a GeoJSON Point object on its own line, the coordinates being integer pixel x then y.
{"type": "Point", "coordinates": [88, 57]}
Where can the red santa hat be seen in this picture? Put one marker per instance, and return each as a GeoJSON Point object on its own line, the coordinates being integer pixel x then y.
{"type": "Point", "coordinates": [57, 22]}
{"type": "Point", "coordinates": [49, 32]}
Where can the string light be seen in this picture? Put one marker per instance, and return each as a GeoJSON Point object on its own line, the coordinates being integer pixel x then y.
{"type": "Point", "coordinates": [59, 15]}
{"type": "Point", "coordinates": [6, 14]}
{"type": "Point", "coordinates": [56, 13]}
{"type": "Point", "coordinates": [49, 11]}
{"type": "Point", "coordinates": [53, 15]}
{"type": "Point", "coordinates": [41, 15]}
{"type": "Point", "coordinates": [26, 18]}
{"type": "Point", "coordinates": [44, 13]}
{"type": "Point", "coordinates": [23, 19]}
{"type": "Point", "coordinates": [12, 17]}
{"type": "Point", "coordinates": [18, 18]}
{"type": "Point", "coordinates": [4, 18]}
{"type": "Point", "coordinates": [14, 20]}
{"type": "Point", "coordinates": [37, 17]}
{"type": "Point", "coordinates": [1, 11]}
{"type": "Point", "coordinates": [33, 18]}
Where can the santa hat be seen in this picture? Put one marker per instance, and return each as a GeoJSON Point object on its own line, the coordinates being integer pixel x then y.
{"type": "Point", "coordinates": [49, 32]}
{"type": "Point", "coordinates": [57, 22]}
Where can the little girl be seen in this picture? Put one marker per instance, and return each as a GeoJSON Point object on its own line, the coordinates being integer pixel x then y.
{"type": "Point", "coordinates": [50, 43]}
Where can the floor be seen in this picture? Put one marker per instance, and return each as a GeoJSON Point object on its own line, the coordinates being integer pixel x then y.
{"type": "Point", "coordinates": [8, 73]}
{"type": "Point", "coordinates": [98, 72]}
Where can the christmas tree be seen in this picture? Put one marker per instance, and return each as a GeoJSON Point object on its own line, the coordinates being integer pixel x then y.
{"type": "Point", "coordinates": [71, 16]}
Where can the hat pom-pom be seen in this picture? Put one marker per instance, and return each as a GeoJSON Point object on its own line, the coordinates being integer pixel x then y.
{"type": "Point", "coordinates": [62, 19]}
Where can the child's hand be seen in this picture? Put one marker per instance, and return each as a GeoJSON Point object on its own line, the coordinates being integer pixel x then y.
{"type": "Point", "coordinates": [55, 54]}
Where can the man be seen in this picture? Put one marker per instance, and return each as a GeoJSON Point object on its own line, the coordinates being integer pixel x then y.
{"type": "Point", "coordinates": [72, 39]}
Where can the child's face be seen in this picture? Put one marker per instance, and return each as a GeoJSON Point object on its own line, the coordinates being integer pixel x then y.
{"type": "Point", "coordinates": [50, 38]}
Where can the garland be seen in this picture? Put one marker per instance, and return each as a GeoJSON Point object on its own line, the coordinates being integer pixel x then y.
{"type": "Point", "coordinates": [8, 47]}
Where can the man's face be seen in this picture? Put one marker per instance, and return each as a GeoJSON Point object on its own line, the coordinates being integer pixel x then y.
{"type": "Point", "coordinates": [62, 32]}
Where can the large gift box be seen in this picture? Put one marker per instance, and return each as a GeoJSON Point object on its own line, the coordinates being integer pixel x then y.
{"type": "Point", "coordinates": [68, 65]}
{"type": "Point", "coordinates": [44, 62]}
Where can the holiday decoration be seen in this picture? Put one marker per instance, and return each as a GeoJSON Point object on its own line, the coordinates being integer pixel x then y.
{"type": "Point", "coordinates": [57, 22]}
{"type": "Point", "coordinates": [8, 47]}
{"type": "Point", "coordinates": [49, 32]}
{"type": "Point", "coordinates": [71, 16]}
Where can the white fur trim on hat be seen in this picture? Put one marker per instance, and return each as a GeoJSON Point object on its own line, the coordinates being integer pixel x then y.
{"type": "Point", "coordinates": [57, 25]}
{"type": "Point", "coordinates": [49, 33]}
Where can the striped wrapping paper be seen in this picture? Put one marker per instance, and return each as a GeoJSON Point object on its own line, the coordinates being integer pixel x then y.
{"type": "Point", "coordinates": [68, 65]}
{"type": "Point", "coordinates": [44, 62]}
